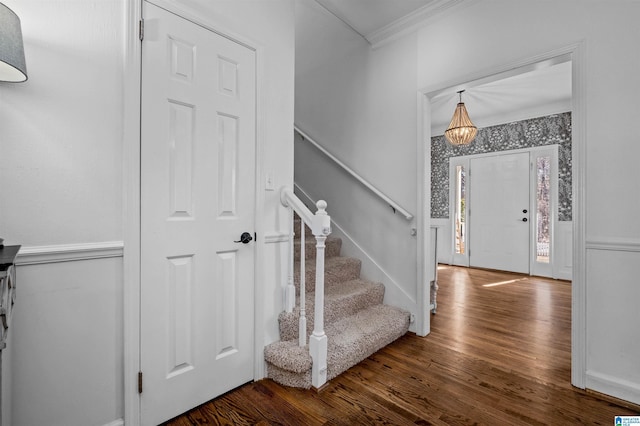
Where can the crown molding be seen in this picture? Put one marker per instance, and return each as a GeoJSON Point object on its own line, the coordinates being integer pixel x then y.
{"type": "Point", "coordinates": [411, 22]}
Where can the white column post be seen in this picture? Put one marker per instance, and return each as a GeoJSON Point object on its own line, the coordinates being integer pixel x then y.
{"type": "Point", "coordinates": [318, 339]}
{"type": "Point", "coordinates": [302, 324]}
{"type": "Point", "coordinates": [290, 292]}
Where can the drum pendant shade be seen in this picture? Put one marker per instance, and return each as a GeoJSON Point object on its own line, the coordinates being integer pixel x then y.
{"type": "Point", "coordinates": [13, 67]}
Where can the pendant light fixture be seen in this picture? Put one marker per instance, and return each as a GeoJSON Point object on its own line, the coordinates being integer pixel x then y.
{"type": "Point", "coordinates": [13, 68]}
{"type": "Point", "coordinates": [461, 130]}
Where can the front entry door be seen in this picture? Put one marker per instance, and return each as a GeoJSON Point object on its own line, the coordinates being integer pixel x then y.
{"type": "Point", "coordinates": [197, 198]}
{"type": "Point", "coordinates": [499, 212]}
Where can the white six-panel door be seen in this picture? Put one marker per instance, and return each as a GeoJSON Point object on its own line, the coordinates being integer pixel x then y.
{"type": "Point", "coordinates": [499, 212]}
{"type": "Point", "coordinates": [197, 198]}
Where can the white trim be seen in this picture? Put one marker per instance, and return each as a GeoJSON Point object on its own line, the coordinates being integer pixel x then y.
{"type": "Point", "coordinates": [579, 163]}
{"type": "Point", "coordinates": [411, 22]}
{"type": "Point", "coordinates": [276, 237]}
{"type": "Point", "coordinates": [119, 422]}
{"type": "Point", "coordinates": [579, 116]}
{"type": "Point", "coordinates": [131, 216]}
{"type": "Point", "coordinates": [614, 386]}
{"type": "Point", "coordinates": [423, 220]}
{"type": "Point", "coordinates": [37, 255]}
{"type": "Point", "coordinates": [613, 244]}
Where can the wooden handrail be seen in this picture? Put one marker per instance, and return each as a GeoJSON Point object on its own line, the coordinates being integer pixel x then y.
{"type": "Point", "coordinates": [395, 206]}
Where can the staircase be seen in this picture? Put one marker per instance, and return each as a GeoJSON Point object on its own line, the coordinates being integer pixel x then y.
{"type": "Point", "coordinates": [357, 323]}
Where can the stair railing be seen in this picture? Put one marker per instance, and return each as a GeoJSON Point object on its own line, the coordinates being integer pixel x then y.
{"type": "Point", "coordinates": [394, 205]}
{"type": "Point", "coordinates": [320, 225]}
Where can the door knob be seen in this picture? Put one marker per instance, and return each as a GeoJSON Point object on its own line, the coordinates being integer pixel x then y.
{"type": "Point", "coordinates": [244, 238]}
{"type": "Point", "coordinates": [524, 219]}
{"type": "Point", "coordinates": [525, 211]}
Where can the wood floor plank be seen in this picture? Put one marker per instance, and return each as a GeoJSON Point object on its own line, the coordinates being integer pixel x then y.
{"type": "Point", "coordinates": [499, 353]}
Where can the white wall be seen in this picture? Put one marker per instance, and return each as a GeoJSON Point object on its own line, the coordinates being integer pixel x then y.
{"type": "Point", "coordinates": [61, 171]}
{"type": "Point", "coordinates": [498, 32]}
{"type": "Point", "coordinates": [360, 104]}
{"type": "Point", "coordinates": [371, 127]}
{"type": "Point", "coordinates": [62, 189]}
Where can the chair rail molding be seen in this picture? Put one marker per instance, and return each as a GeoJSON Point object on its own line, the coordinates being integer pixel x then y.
{"type": "Point", "coordinates": [37, 255]}
{"type": "Point", "coordinates": [613, 244]}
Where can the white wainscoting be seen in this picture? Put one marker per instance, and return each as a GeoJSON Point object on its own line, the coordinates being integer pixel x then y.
{"type": "Point", "coordinates": [445, 243]}
{"type": "Point", "coordinates": [563, 259]}
{"type": "Point", "coordinates": [67, 329]}
{"type": "Point", "coordinates": [613, 293]}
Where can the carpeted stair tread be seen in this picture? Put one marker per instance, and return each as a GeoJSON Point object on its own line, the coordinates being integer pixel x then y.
{"type": "Point", "coordinates": [350, 340]}
{"type": "Point", "coordinates": [288, 355]}
{"type": "Point", "coordinates": [336, 269]}
{"type": "Point", "coordinates": [357, 324]}
{"type": "Point", "coordinates": [341, 299]}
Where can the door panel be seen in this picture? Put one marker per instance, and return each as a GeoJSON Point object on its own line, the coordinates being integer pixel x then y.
{"type": "Point", "coordinates": [197, 197]}
{"type": "Point", "coordinates": [499, 226]}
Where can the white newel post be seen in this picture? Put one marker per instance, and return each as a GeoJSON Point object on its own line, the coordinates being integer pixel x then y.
{"type": "Point", "coordinates": [318, 340]}
{"type": "Point", "coordinates": [320, 224]}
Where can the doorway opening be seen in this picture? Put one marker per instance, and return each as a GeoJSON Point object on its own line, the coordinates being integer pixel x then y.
{"type": "Point", "coordinates": [573, 56]}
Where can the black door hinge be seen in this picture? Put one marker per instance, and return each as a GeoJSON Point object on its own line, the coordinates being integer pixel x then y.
{"type": "Point", "coordinates": [139, 381]}
{"type": "Point", "coordinates": [141, 30]}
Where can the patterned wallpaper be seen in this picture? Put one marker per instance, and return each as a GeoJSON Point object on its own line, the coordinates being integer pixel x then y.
{"type": "Point", "coordinates": [549, 130]}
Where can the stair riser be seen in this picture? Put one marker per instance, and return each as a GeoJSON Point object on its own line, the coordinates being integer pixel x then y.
{"type": "Point", "coordinates": [346, 272]}
{"type": "Point", "coordinates": [332, 248]}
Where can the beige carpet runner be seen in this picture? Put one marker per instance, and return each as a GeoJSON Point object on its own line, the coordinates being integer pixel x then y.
{"type": "Point", "coordinates": [357, 323]}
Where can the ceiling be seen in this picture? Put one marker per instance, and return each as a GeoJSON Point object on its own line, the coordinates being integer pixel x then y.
{"type": "Point", "coordinates": [527, 92]}
{"type": "Point", "coordinates": [368, 16]}
{"type": "Point", "coordinates": [534, 91]}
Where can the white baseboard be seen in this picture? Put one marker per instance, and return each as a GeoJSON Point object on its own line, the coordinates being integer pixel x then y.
{"type": "Point", "coordinates": [36, 255]}
{"type": "Point", "coordinates": [614, 386]}
{"type": "Point", "coordinates": [119, 422]}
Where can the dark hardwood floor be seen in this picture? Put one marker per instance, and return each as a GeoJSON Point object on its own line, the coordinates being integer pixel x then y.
{"type": "Point", "coordinates": [499, 353]}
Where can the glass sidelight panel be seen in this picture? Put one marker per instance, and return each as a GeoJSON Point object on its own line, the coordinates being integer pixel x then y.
{"type": "Point", "coordinates": [543, 208]}
{"type": "Point", "coordinates": [460, 203]}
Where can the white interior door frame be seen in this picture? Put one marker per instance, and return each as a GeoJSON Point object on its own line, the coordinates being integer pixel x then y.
{"type": "Point", "coordinates": [131, 194]}
{"type": "Point", "coordinates": [576, 52]}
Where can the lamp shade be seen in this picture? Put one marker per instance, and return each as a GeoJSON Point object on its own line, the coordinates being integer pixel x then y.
{"type": "Point", "coordinates": [13, 67]}
{"type": "Point", "coordinates": [461, 130]}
